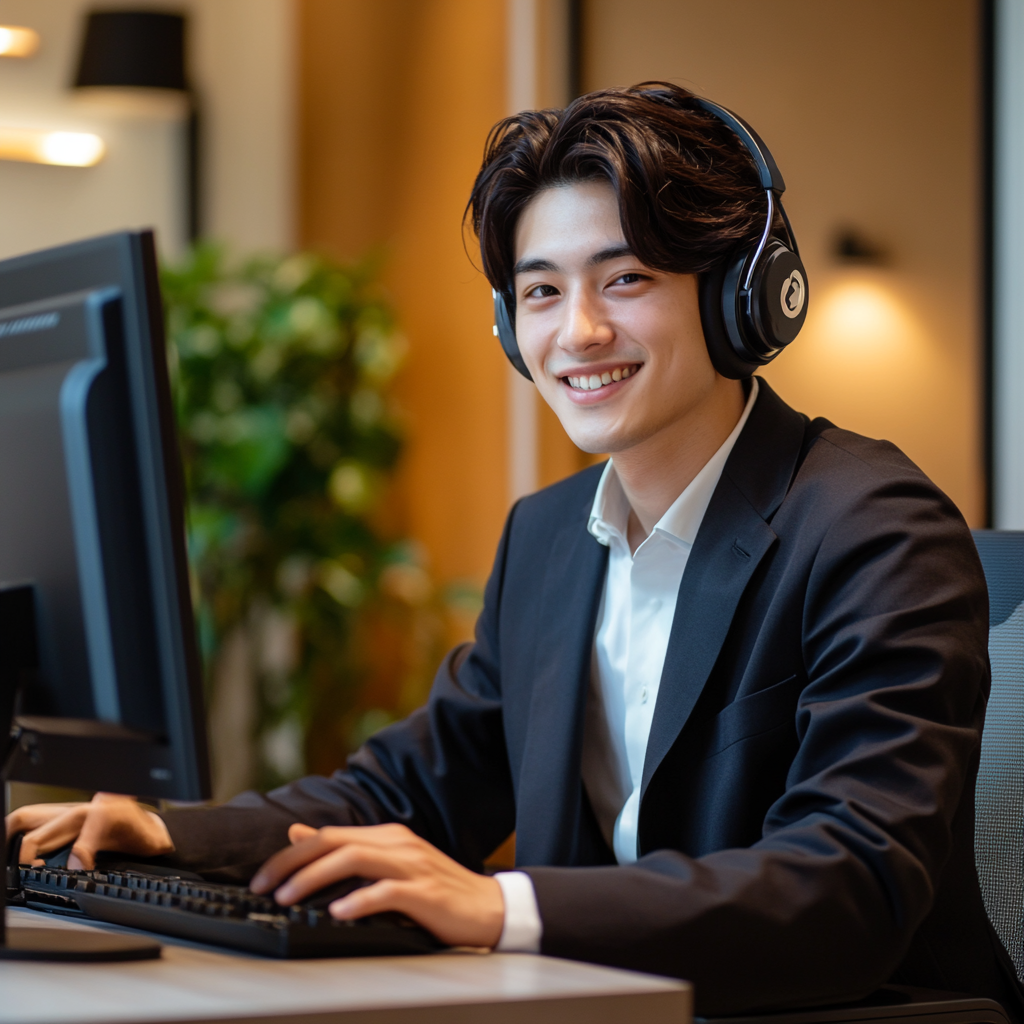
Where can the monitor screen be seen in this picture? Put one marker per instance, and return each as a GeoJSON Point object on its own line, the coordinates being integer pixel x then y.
{"type": "Point", "coordinates": [95, 612]}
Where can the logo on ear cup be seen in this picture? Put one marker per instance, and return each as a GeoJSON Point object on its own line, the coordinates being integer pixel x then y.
{"type": "Point", "coordinates": [794, 292]}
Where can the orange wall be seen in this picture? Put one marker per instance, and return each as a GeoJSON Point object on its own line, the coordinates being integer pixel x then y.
{"type": "Point", "coordinates": [870, 108]}
{"type": "Point", "coordinates": [396, 98]}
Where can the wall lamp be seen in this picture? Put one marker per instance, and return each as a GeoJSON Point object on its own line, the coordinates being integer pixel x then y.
{"type": "Point", "coordinates": [36, 145]}
{"type": "Point", "coordinates": [133, 62]}
{"type": "Point", "coordinates": [18, 41]}
{"type": "Point", "coordinates": [850, 246]}
{"type": "Point", "coordinates": [64, 149]}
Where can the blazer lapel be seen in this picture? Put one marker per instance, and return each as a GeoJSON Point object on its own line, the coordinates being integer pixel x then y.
{"type": "Point", "coordinates": [550, 784]}
{"type": "Point", "coordinates": [733, 538]}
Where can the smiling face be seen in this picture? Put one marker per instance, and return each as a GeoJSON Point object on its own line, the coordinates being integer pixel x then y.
{"type": "Point", "coordinates": [615, 348]}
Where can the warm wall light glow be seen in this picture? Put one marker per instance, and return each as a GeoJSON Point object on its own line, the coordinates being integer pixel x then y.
{"type": "Point", "coordinates": [133, 103]}
{"type": "Point", "coordinates": [66, 149]}
{"type": "Point", "coordinates": [72, 149]}
{"type": "Point", "coordinates": [16, 41]}
{"type": "Point", "coordinates": [864, 314]}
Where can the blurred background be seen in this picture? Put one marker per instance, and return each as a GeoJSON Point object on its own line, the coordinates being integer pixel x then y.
{"type": "Point", "coordinates": [352, 433]}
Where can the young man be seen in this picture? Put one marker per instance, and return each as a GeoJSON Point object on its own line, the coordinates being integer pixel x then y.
{"type": "Point", "coordinates": [728, 688]}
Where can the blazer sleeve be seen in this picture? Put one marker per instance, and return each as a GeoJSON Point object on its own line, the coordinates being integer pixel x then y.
{"type": "Point", "coordinates": [824, 905]}
{"type": "Point", "coordinates": [443, 772]}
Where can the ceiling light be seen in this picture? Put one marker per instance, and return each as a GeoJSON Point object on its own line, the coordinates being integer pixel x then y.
{"type": "Point", "coordinates": [64, 149]}
{"type": "Point", "coordinates": [16, 41]}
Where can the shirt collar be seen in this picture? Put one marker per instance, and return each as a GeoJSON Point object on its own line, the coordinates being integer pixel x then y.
{"type": "Point", "coordinates": [609, 514]}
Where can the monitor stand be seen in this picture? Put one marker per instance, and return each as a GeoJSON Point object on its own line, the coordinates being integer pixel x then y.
{"type": "Point", "coordinates": [18, 660]}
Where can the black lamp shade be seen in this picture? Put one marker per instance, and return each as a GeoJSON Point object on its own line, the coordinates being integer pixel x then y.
{"type": "Point", "coordinates": [144, 49]}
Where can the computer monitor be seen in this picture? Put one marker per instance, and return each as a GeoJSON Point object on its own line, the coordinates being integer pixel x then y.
{"type": "Point", "coordinates": [96, 627]}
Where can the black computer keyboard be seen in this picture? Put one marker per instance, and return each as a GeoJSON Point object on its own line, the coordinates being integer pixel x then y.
{"type": "Point", "coordinates": [222, 915]}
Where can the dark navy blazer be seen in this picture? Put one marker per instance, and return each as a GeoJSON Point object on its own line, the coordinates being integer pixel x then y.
{"type": "Point", "coordinates": [806, 820]}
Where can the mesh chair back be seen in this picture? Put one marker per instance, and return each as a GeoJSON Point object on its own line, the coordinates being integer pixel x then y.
{"type": "Point", "coordinates": [999, 818]}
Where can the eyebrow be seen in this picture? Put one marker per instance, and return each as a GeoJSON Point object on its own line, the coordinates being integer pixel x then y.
{"type": "Point", "coordinates": [611, 252]}
{"type": "Point", "coordinates": [529, 266]}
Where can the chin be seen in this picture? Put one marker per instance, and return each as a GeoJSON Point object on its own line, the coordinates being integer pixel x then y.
{"type": "Point", "coordinates": [599, 431]}
{"type": "Point", "coordinates": [592, 443]}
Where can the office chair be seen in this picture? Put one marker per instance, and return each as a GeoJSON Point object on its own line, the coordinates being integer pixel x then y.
{"type": "Point", "coordinates": [999, 817]}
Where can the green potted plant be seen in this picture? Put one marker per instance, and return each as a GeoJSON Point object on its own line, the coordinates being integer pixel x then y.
{"type": "Point", "coordinates": [280, 370]}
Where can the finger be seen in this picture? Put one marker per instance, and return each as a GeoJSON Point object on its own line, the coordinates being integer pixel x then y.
{"type": "Point", "coordinates": [80, 860]}
{"type": "Point", "coordinates": [383, 895]}
{"type": "Point", "coordinates": [104, 828]}
{"type": "Point", "coordinates": [83, 853]}
{"type": "Point", "coordinates": [24, 819]}
{"type": "Point", "coordinates": [53, 835]}
{"type": "Point", "coordinates": [287, 861]}
{"type": "Point", "coordinates": [346, 862]}
{"type": "Point", "coordinates": [298, 832]}
{"type": "Point", "coordinates": [377, 835]}
{"type": "Point", "coordinates": [457, 915]}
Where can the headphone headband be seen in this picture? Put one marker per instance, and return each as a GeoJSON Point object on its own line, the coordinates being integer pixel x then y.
{"type": "Point", "coordinates": [767, 169]}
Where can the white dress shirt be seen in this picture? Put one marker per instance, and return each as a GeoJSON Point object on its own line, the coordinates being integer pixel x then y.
{"type": "Point", "coordinates": [638, 604]}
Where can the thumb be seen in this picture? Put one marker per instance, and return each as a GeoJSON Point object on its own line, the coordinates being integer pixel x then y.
{"type": "Point", "coordinates": [95, 834]}
{"type": "Point", "coordinates": [81, 857]}
{"type": "Point", "coordinates": [298, 832]}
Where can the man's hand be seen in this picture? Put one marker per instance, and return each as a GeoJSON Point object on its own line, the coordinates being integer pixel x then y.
{"type": "Point", "coordinates": [107, 822]}
{"type": "Point", "coordinates": [459, 906]}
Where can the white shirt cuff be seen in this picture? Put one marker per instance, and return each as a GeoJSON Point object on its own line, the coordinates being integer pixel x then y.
{"type": "Point", "coordinates": [522, 929]}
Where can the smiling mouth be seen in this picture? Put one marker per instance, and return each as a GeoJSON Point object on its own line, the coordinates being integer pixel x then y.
{"type": "Point", "coordinates": [595, 381]}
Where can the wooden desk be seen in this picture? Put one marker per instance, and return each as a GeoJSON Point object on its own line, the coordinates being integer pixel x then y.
{"type": "Point", "coordinates": [194, 984]}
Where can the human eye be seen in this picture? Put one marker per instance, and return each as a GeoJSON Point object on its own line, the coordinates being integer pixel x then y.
{"type": "Point", "coordinates": [630, 277]}
{"type": "Point", "coordinates": [541, 291]}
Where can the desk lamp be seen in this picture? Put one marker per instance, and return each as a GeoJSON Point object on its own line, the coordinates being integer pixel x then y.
{"type": "Point", "coordinates": [134, 62]}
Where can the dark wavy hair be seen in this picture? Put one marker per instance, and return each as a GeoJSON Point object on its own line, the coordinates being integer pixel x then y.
{"type": "Point", "coordinates": [688, 190]}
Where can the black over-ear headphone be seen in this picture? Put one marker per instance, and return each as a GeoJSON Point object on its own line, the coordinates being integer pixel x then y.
{"type": "Point", "coordinates": [751, 306]}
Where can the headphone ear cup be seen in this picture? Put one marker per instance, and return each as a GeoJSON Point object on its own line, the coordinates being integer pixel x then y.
{"type": "Point", "coordinates": [778, 299]}
{"type": "Point", "coordinates": [506, 334]}
{"type": "Point", "coordinates": [745, 331]}
{"type": "Point", "coordinates": [725, 344]}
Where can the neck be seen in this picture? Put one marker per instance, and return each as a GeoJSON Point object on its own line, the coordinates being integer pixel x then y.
{"type": "Point", "coordinates": [655, 472]}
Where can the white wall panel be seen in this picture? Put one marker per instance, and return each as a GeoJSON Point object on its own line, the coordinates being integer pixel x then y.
{"type": "Point", "coordinates": [242, 61]}
{"type": "Point", "coordinates": [1008, 312]}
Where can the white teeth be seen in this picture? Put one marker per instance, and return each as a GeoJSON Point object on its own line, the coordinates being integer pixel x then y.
{"type": "Point", "coordinates": [593, 382]}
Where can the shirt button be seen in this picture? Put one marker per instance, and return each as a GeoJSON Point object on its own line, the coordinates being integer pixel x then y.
{"type": "Point", "coordinates": [655, 604]}
{"type": "Point", "coordinates": [643, 695]}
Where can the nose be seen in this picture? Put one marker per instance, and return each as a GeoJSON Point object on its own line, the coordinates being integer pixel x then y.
{"type": "Point", "coordinates": [584, 326]}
